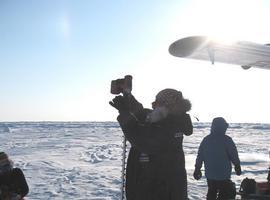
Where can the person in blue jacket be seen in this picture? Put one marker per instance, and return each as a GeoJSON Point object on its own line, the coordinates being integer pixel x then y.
{"type": "Point", "coordinates": [217, 151]}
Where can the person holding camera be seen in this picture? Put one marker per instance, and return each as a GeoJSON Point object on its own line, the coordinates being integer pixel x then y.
{"type": "Point", "coordinates": [156, 162]}
{"type": "Point", "coordinates": [217, 151]}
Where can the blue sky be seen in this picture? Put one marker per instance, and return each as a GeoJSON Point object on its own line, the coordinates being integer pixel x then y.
{"type": "Point", "coordinates": [57, 58]}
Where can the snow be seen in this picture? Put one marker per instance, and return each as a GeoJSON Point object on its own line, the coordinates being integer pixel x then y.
{"type": "Point", "coordinates": [82, 160]}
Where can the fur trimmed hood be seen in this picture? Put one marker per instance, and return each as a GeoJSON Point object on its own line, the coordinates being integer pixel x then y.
{"type": "Point", "coordinates": [171, 102]}
{"type": "Point", "coordinates": [174, 101]}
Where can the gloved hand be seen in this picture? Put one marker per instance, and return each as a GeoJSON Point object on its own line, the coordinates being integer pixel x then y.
{"type": "Point", "coordinates": [133, 105]}
{"type": "Point", "coordinates": [197, 174]}
{"type": "Point", "coordinates": [238, 170]}
{"type": "Point", "coordinates": [119, 103]}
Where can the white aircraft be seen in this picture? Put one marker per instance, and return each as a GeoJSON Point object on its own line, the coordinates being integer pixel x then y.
{"type": "Point", "coordinates": [245, 54]}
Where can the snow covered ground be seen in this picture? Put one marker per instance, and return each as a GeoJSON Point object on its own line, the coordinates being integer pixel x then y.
{"type": "Point", "coordinates": [82, 160]}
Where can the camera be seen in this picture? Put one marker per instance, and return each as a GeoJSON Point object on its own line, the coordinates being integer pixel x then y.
{"type": "Point", "coordinates": [121, 85]}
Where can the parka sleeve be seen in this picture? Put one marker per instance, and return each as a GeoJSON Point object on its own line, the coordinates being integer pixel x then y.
{"type": "Point", "coordinates": [186, 125]}
{"type": "Point", "coordinates": [200, 158]}
{"type": "Point", "coordinates": [232, 151]}
{"type": "Point", "coordinates": [146, 137]}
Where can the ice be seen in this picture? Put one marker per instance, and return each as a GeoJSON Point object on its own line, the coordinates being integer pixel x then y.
{"type": "Point", "coordinates": [82, 160]}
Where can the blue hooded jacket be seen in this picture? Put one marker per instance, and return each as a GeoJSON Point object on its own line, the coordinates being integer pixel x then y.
{"type": "Point", "coordinates": [217, 151]}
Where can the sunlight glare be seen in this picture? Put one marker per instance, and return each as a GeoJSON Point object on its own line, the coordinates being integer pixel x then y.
{"type": "Point", "coordinates": [224, 20]}
{"type": "Point", "coordinates": [65, 26]}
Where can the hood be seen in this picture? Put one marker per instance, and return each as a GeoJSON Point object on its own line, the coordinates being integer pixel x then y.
{"type": "Point", "coordinates": [219, 126]}
{"type": "Point", "coordinates": [5, 163]}
{"type": "Point", "coordinates": [173, 101]}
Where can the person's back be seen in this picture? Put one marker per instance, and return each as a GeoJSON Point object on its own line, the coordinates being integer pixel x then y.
{"type": "Point", "coordinates": [217, 151]}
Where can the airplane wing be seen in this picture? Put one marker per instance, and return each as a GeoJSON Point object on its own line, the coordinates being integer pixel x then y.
{"type": "Point", "coordinates": [245, 54]}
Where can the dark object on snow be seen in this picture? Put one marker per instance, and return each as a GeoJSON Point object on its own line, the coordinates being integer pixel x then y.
{"type": "Point", "coordinates": [248, 186]}
{"type": "Point", "coordinates": [268, 177]}
{"type": "Point", "coordinates": [221, 189]}
{"type": "Point", "coordinates": [13, 182]}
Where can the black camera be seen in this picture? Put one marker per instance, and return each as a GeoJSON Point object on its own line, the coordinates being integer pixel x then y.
{"type": "Point", "coordinates": [121, 85]}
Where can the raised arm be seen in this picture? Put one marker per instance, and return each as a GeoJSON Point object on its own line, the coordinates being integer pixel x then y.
{"type": "Point", "coordinates": [146, 137]}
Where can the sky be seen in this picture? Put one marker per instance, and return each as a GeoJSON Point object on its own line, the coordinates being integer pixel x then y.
{"type": "Point", "coordinates": [57, 58]}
